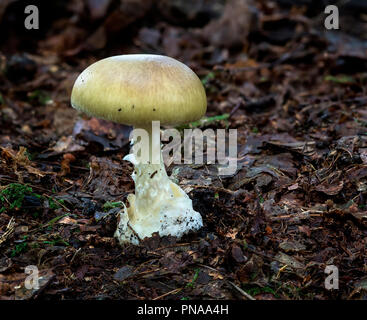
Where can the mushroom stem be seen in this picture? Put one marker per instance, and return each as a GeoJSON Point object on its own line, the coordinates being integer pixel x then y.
{"type": "Point", "coordinates": [150, 178]}
{"type": "Point", "coordinates": [159, 205]}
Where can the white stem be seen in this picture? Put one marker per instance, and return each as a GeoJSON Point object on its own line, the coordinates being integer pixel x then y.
{"type": "Point", "coordinates": [159, 205]}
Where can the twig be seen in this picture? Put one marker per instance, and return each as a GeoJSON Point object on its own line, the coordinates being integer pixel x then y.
{"type": "Point", "coordinates": [244, 293]}
{"type": "Point", "coordinates": [16, 181]}
{"type": "Point", "coordinates": [208, 267]}
{"type": "Point", "coordinates": [175, 291]}
{"type": "Point", "coordinates": [75, 253]}
{"type": "Point", "coordinates": [52, 221]}
{"type": "Point", "coordinates": [235, 109]}
{"type": "Point", "coordinates": [9, 230]}
{"type": "Point", "coordinates": [58, 202]}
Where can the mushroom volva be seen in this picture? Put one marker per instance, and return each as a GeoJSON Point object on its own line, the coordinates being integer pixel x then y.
{"type": "Point", "coordinates": [135, 90]}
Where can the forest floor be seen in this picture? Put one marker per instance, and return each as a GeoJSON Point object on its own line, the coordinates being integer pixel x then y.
{"type": "Point", "coordinates": [296, 93]}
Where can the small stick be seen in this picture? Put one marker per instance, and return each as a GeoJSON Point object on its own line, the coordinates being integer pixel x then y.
{"type": "Point", "coordinates": [175, 291]}
{"type": "Point", "coordinates": [75, 253]}
{"type": "Point", "coordinates": [242, 292]}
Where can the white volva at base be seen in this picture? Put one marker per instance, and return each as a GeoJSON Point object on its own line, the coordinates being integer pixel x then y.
{"type": "Point", "coordinates": [159, 205]}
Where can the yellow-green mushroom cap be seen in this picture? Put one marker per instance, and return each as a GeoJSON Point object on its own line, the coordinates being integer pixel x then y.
{"type": "Point", "coordinates": [136, 89]}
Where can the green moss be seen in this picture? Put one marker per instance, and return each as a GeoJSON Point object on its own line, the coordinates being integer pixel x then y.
{"type": "Point", "coordinates": [342, 79]}
{"type": "Point", "coordinates": [192, 282]}
{"type": "Point", "coordinates": [19, 248]}
{"type": "Point", "coordinates": [110, 205]}
{"type": "Point", "coordinates": [205, 121]}
{"type": "Point", "coordinates": [39, 96]}
{"type": "Point", "coordinates": [13, 196]}
{"type": "Point", "coordinates": [207, 78]}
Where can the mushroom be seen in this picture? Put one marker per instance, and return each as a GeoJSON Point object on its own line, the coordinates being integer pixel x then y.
{"type": "Point", "coordinates": [137, 89]}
